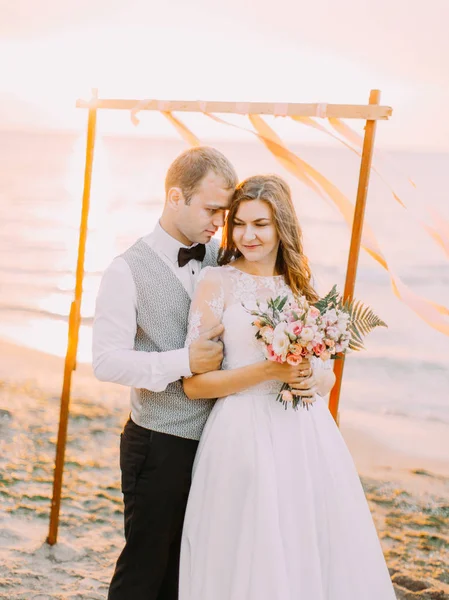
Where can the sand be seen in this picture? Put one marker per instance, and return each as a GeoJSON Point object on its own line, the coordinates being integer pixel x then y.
{"type": "Point", "coordinates": [407, 487]}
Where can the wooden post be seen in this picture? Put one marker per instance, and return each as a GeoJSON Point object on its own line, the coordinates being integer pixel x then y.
{"type": "Point", "coordinates": [74, 325]}
{"type": "Point", "coordinates": [356, 237]}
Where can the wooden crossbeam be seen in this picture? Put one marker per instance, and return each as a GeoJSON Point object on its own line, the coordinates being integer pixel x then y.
{"type": "Point", "coordinates": [341, 111]}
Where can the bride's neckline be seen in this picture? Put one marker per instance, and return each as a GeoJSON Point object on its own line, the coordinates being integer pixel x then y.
{"type": "Point", "coordinates": [256, 276]}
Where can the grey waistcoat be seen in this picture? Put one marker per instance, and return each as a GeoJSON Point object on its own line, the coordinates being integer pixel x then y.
{"type": "Point", "coordinates": [162, 317]}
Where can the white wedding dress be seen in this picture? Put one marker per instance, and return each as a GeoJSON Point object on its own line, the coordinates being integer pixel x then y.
{"type": "Point", "coordinates": [276, 509]}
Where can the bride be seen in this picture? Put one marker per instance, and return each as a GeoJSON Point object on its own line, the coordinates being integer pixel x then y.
{"type": "Point", "coordinates": [276, 510]}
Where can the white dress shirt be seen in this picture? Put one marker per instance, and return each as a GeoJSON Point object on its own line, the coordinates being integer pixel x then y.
{"type": "Point", "coordinates": [115, 324]}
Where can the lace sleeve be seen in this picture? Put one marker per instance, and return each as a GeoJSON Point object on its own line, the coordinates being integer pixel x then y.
{"type": "Point", "coordinates": [207, 305]}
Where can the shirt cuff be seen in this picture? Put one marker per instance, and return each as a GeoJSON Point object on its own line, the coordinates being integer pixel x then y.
{"type": "Point", "coordinates": [177, 363]}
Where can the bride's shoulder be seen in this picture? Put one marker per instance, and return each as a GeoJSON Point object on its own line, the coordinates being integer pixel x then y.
{"type": "Point", "coordinates": [218, 270]}
{"type": "Point", "coordinates": [212, 274]}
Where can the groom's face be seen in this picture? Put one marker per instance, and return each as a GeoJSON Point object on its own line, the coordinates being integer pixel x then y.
{"type": "Point", "coordinates": [201, 218]}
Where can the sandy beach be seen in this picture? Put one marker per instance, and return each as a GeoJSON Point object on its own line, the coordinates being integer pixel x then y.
{"type": "Point", "coordinates": [408, 493]}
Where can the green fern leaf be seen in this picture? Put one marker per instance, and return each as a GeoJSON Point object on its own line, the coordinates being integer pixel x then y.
{"type": "Point", "coordinates": [362, 320]}
{"type": "Point", "coordinates": [331, 299]}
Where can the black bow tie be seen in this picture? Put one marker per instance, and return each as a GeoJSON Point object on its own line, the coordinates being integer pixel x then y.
{"type": "Point", "coordinates": [197, 252]}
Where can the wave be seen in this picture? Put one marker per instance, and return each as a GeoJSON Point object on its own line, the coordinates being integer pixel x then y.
{"type": "Point", "coordinates": [425, 416]}
{"type": "Point", "coordinates": [427, 273]}
{"type": "Point", "coordinates": [39, 271]}
{"type": "Point", "coordinates": [43, 313]}
{"type": "Point", "coordinates": [416, 413]}
{"type": "Point", "coordinates": [393, 363]}
{"type": "Point", "coordinates": [401, 355]}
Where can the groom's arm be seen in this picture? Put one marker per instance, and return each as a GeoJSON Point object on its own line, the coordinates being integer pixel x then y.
{"type": "Point", "coordinates": [114, 331]}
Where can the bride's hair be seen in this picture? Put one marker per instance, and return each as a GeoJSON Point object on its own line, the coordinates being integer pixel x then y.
{"type": "Point", "coordinates": [290, 262]}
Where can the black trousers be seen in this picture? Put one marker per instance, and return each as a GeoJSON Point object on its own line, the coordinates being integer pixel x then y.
{"type": "Point", "coordinates": [156, 475]}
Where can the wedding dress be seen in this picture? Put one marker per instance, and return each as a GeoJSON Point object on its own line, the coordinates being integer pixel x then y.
{"type": "Point", "coordinates": [276, 509]}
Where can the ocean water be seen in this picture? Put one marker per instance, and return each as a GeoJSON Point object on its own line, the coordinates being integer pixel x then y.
{"type": "Point", "coordinates": [404, 370]}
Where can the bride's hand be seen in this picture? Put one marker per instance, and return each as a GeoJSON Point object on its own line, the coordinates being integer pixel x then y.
{"type": "Point", "coordinates": [307, 388]}
{"type": "Point", "coordinates": [292, 375]}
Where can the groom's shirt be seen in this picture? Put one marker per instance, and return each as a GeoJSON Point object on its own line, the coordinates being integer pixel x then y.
{"type": "Point", "coordinates": [115, 324]}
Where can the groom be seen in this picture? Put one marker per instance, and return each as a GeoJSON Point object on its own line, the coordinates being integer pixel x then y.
{"type": "Point", "coordinates": [138, 340]}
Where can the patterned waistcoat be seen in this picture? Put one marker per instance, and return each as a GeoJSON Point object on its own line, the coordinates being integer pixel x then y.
{"type": "Point", "coordinates": [162, 317]}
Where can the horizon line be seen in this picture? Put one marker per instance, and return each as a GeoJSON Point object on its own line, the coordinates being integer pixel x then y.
{"type": "Point", "coordinates": [160, 138]}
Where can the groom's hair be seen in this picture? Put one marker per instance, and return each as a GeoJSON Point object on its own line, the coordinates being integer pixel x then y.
{"type": "Point", "coordinates": [189, 169]}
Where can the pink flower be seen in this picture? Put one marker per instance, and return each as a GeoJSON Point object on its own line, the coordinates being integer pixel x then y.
{"type": "Point", "coordinates": [295, 328]}
{"type": "Point", "coordinates": [287, 396]}
{"type": "Point", "coordinates": [290, 317]}
{"type": "Point", "coordinates": [294, 360]}
{"type": "Point", "coordinates": [325, 355]}
{"type": "Point", "coordinates": [319, 349]}
{"type": "Point", "coordinates": [271, 354]}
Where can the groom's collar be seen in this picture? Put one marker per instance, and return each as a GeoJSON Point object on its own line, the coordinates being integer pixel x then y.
{"type": "Point", "coordinates": [163, 242]}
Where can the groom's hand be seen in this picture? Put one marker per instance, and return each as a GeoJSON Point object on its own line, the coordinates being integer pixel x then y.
{"type": "Point", "coordinates": [205, 354]}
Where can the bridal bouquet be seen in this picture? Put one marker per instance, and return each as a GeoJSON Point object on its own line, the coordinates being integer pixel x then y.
{"type": "Point", "coordinates": [291, 330]}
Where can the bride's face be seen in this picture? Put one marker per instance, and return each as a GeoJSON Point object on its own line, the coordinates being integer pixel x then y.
{"type": "Point", "coordinates": [254, 231]}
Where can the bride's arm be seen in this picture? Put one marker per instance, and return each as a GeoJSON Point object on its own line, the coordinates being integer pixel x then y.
{"type": "Point", "coordinates": [217, 384]}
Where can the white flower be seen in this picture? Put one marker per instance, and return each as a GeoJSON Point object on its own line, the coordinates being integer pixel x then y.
{"type": "Point", "coordinates": [332, 333]}
{"type": "Point", "coordinates": [331, 316]}
{"type": "Point", "coordinates": [311, 320]}
{"type": "Point", "coordinates": [267, 334]}
{"type": "Point", "coordinates": [343, 321]}
{"type": "Point", "coordinates": [280, 328]}
{"type": "Point", "coordinates": [342, 325]}
{"type": "Point", "coordinates": [343, 315]}
{"type": "Point", "coordinates": [318, 337]}
{"type": "Point", "coordinates": [307, 334]}
{"type": "Point", "coordinates": [281, 341]}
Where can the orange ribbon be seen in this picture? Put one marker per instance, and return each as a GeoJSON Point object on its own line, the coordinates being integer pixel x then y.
{"type": "Point", "coordinates": [432, 313]}
{"type": "Point", "coordinates": [439, 231]}
{"type": "Point", "coordinates": [183, 131]}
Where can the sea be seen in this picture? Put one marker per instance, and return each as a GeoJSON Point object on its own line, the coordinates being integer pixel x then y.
{"type": "Point", "coordinates": [404, 370]}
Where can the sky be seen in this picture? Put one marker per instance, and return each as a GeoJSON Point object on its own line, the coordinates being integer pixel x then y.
{"type": "Point", "coordinates": [54, 51]}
